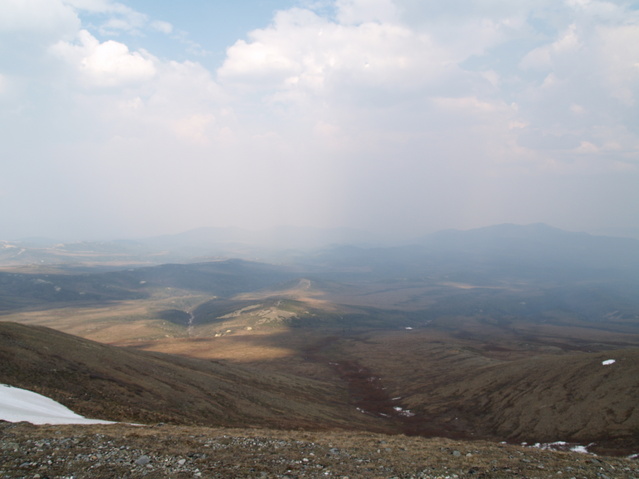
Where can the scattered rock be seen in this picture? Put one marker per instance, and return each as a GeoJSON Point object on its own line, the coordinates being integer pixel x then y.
{"type": "Point", "coordinates": [142, 460]}
{"type": "Point", "coordinates": [102, 452]}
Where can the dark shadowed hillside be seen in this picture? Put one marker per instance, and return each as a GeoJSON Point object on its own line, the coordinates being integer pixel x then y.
{"type": "Point", "coordinates": [121, 384]}
{"type": "Point", "coordinates": [220, 278]}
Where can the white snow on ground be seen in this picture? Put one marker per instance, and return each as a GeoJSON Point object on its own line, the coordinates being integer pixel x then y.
{"type": "Point", "coordinates": [21, 405]}
{"type": "Point", "coordinates": [608, 362]}
{"type": "Point", "coordinates": [403, 412]}
{"type": "Point", "coordinates": [561, 446]}
{"type": "Point", "coordinates": [581, 449]}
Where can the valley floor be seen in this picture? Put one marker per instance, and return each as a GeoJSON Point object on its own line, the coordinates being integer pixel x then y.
{"type": "Point", "coordinates": [109, 451]}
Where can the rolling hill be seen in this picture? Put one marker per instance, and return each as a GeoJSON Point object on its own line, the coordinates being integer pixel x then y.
{"type": "Point", "coordinates": [119, 384]}
{"type": "Point", "coordinates": [498, 333]}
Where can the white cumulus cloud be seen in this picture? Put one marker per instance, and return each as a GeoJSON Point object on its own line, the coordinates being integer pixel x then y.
{"type": "Point", "coordinates": [365, 11]}
{"type": "Point", "coordinates": [106, 64]}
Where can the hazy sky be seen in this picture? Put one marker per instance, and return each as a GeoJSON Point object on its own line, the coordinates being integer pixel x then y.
{"type": "Point", "coordinates": [142, 117]}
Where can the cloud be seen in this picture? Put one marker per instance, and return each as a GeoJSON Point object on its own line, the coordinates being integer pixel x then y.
{"type": "Point", "coordinates": [618, 52]}
{"type": "Point", "coordinates": [106, 64]}
{"type": "Point", "coordinates": [39, 18]}
{"type": "Point", "coordinates": [99, 6]}
{"type": "Point", "coordinates": [162, 26]}
{"type": "Point", "coordinates": [340, 62]}
{"type": "Point", "coordinates": [355, 12]}
{"type": "Point", "coordinates": [117, 18]}
{"type": "Point", "coordinates": [545, 56]}
{"type": "Point", "coordinates": [379, 113]}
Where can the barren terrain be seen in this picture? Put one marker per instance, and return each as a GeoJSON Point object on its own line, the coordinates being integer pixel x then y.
{"type": "Point", "coordinates": [187, 452]}
{"type": "Point", "coordinates": [461, 339]}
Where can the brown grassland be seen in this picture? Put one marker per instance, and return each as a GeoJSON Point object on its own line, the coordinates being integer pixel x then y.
{"type": "Point", "coordinates": [360, 379]}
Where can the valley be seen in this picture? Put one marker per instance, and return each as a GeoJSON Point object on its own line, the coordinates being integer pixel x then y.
{"type": "Point", "coordinates": [368, 342]}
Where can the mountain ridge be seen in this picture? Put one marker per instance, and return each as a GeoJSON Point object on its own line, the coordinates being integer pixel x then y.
{"type": "Point", "coordinates": [284, 244]}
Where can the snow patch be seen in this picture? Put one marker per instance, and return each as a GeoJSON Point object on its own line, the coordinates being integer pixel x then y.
{"type": "Point", "coordinates": [562, 446]}
{"type": "Point", "coordinates": [403, 412]}
{"type": "Point", "coordinates": [580, 449]}
{"type": "Point", "coordinates": [18, 405]}
{"type": "Point", "coordinates": [608, 362]}
{"type": "Point", "coordinates": [550, 445]}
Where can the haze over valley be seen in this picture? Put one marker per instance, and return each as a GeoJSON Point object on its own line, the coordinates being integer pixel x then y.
{"type": "Point", "coordinates": [508, 333]}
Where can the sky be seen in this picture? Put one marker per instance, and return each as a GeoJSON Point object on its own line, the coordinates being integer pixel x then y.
{"type": "Point", "coordinates": [133, 118]}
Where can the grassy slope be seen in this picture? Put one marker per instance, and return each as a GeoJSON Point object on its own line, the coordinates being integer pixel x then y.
{"type": "Point", "coordinates": [121, 384]}
{"type": "Point", "coordinates": [521, 387]}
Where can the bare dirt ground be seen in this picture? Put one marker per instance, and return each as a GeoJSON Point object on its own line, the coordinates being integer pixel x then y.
{"type": "Point", "coordinates": [160, 451]}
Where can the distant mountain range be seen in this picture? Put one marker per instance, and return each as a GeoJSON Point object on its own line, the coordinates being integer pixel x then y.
{"type": "Point", "coordinates": [194, 245]}
{"type": "Point", "coordinates": [497, 252]}
{"type": "Point", "coordinates": [506, 246]}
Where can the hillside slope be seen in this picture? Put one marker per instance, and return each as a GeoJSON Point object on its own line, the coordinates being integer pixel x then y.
{"type": "Point", "coordinates": [107, 382]}
{"type": "Point", "coordinates": [508, 389]}
{"type": "Point", "coordinates": [98, 452]}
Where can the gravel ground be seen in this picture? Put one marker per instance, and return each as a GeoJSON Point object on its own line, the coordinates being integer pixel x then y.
{"type": "Point", "coordinates": [161, 451]}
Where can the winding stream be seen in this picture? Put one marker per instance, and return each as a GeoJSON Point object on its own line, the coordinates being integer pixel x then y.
{"type": "Point", "coordinates": [190, 323]}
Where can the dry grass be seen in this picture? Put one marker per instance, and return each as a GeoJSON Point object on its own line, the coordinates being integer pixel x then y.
{"type": "Point", "coordinates": [240, 348]}
{"type": "Point", "coordinates": [123, 384]}
{"type": "Point", "coordinates": [116, 321]}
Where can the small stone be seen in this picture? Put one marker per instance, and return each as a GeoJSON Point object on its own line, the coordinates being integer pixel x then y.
{"type": "Point", "coordinates": [181, 462]}
{"type": "Point", "coordinates": [142, 460]}
{"type": "Point", "coordinates": [456, 453]}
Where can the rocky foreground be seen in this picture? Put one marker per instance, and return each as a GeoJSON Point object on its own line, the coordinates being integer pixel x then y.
{"type": "Point", "coordinates": [122, 451]}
